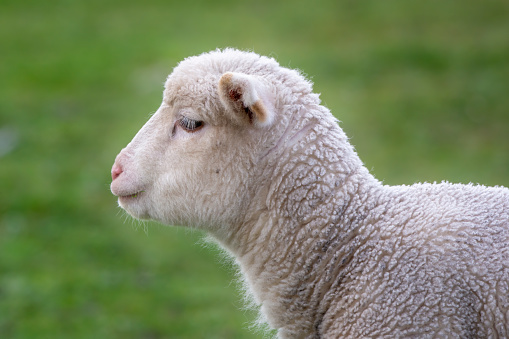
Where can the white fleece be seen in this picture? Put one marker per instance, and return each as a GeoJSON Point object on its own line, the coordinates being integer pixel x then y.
{"type": "Point", "coordinates": [326, 249]}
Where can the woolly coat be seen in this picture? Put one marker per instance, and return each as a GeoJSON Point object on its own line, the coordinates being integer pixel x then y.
{"type": "Point", "coordinates": [242, 148]}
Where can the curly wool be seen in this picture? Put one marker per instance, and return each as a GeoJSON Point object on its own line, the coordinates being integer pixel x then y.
{"type": "Point", "coordinates": [325, 249]}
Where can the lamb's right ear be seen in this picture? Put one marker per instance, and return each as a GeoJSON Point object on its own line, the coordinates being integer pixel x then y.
{"type": "Point", "coordinates": [248, 98]}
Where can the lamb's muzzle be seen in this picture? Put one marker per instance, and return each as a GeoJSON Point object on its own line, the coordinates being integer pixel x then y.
{"type": "Point", "coordinates": [116, 170]}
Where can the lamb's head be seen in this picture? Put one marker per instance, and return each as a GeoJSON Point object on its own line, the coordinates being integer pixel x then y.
{"type": "Point", "coordinates": [196, 160]}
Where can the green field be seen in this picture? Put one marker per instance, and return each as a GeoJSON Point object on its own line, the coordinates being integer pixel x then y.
{"type": "Point", "coordinates": [421, 88]}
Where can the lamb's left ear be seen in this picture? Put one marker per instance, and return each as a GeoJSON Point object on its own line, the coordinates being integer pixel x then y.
{"type": "Point", "coordinates": [248, 98]}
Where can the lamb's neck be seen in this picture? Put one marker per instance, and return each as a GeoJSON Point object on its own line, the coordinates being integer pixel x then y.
{"type": "Point", "coordinates": [296, 232]}
{"type": "Point", "coordinates": [291, 260]}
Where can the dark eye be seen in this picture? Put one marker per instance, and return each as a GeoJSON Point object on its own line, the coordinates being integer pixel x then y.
{"type": "Point", "coordinates": [190, 125]}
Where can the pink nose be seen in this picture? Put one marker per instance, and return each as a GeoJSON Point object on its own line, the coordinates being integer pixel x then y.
{"type": "Point", "coordinates": [116, 171]}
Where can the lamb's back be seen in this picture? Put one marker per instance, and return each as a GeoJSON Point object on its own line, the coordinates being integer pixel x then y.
{"type": "Point", "coordinates": [436, 262]}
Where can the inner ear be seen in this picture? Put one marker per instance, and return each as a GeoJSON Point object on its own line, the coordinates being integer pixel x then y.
{"type": "Point", "coordinates": [235, 95]}
{"type": "Point", "coordinates": [248, 97]}
{"type": "Point", "coordinates": [249, 114]}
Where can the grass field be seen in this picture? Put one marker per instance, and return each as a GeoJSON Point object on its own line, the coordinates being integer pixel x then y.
{"type": "Point", "coordinates": [421, 87]}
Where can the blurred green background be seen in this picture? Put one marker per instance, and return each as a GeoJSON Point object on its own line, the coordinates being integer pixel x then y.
{"type": "Point", "coordinates": [421, 87]}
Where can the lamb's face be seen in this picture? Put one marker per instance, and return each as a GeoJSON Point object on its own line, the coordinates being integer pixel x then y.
{"type": "Point", "coordinates": [191, 164]}
{"type": "Point", "coordinates": [161, 169]}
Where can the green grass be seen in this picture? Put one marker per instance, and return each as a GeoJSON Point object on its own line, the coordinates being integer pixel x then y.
{"type": "Point", "coordinates": [420, 87]}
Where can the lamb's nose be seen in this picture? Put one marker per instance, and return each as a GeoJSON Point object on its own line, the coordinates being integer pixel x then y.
{"type": "Point", "coordinates": [116, 171]}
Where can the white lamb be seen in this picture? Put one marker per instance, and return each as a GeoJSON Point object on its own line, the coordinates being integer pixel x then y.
{"type": "Point", "coordinates": [242, 148]}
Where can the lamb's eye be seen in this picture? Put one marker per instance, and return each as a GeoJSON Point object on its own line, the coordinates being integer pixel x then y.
{"type": "Point", "coordinates": [190, 125]}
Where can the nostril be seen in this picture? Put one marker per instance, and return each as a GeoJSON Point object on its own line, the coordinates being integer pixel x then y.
{"type": "Point", "coordinates": [116, 171]}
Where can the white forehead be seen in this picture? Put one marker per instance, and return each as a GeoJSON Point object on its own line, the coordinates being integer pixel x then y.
{"type": "Point", "coordinates": [194, 81]}
{"type": "Point", "coordinates": [219, 62]}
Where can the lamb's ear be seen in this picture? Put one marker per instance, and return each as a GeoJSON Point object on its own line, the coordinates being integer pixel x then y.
{"type": "Point", "coordinates": [248, 97]}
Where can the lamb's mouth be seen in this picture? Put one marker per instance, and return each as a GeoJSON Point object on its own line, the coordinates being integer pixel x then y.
{"type": "Point", "coordinates": [131, 196]}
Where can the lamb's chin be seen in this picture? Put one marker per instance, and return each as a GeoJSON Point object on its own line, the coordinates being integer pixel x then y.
{"type": "Point", "coordinates": [133, 204]}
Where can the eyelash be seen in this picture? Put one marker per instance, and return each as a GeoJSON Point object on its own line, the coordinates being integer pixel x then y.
{"type": "Point", "coordinates": [190, 125]}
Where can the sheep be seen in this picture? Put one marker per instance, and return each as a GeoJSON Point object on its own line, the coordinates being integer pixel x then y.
{"type": "Point", "coordinates": [242, 148]}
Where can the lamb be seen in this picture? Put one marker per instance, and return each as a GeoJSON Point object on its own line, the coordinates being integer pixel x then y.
{"type": "Point", "coordinates": [241, 147]}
